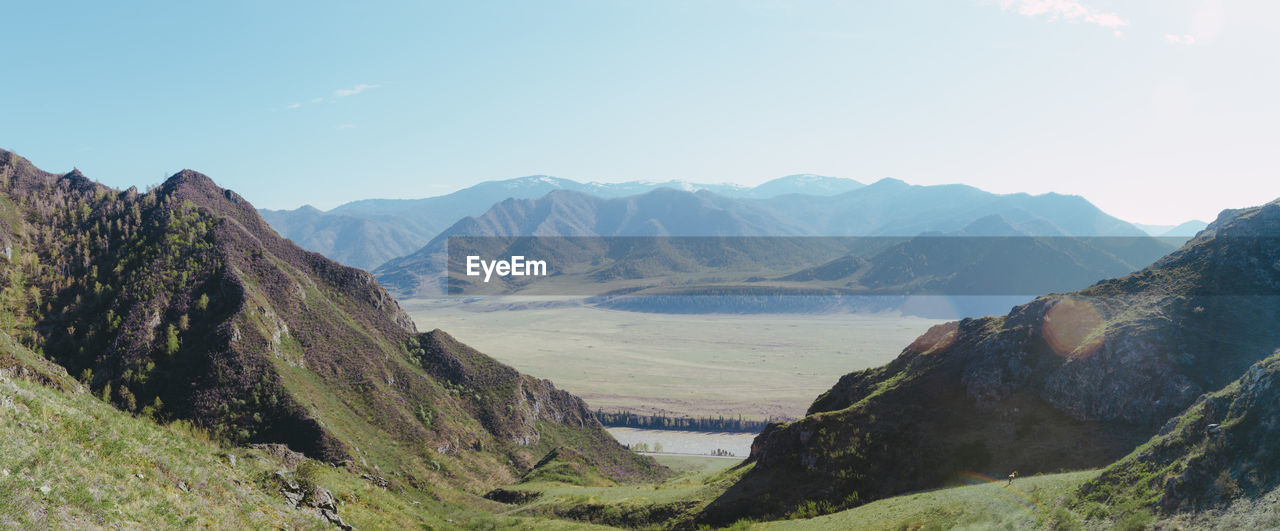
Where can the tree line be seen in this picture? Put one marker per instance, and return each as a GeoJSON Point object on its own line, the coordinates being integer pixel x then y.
{"type": "Point", "coordinates": [624, 419]}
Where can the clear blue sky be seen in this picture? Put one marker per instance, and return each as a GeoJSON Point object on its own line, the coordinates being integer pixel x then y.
{"type": "Point", "coordinates": [1156, 110]}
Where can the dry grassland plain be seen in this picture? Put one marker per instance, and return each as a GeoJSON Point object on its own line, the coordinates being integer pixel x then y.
{"type": "Point", "coordinates": [756, 365]}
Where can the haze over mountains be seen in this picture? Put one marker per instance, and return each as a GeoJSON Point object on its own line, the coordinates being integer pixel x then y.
{"type": "Point", "coordinates": [369, 232]}
{"type": "Point", "coordinates": [886, 208]}
{"type": "Point", "coordinates": [1186, 229]}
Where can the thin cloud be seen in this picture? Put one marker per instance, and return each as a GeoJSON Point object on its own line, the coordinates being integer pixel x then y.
{"type": "Point", "coordinates": [1069, 10]}
{"type": "Point", "coordinates": [1184, 39]}
{"type": "Point", "coordinates": [342, 93]}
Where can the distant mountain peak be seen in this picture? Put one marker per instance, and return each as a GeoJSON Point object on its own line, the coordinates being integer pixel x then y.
{"type": "Point", "coordinates": [1185, 229]}
{"type": "Point", "coordinates": [806, 177]}
{"type": "Point", "coordinates": [992, 225]}
{"type": "Point", "coordinates": [536, 179]}
{"type": "Point", "coordinates": [887, 182]}
{"type": "Point", "coordinates": [805, 183]}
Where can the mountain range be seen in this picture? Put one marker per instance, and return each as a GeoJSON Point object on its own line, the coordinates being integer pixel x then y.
{"type": "Point", "coordinates": [367, 233]}
{"type": "Point", "coordinates": [991, 256]}
{"type": "Point", "coordinates": [887, 208]}
{"type": "Point", "coordinates": [403, 240]}
{"type": "Point", "coordinates": [1185, 229]}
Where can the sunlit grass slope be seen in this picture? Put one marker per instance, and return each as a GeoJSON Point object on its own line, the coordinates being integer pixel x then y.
{"type": "Point", "coordinates": [1032, 502]}
{"type": "Point", "coordinates": [69, 460]}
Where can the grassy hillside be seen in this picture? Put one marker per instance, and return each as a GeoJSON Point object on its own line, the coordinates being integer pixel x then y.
{"type": "Point", "coordinates": [72, 461]}
{"type": "Point", "coordinates": [1066, 382]}
{"type": "Point", "coordinates": [672, 503]}
{"type": "Point", "coordinates": [182, 304]}
{"type": "Point", "coordinates": [1030, 502]}
{"type": "Point", "coordinates": [166, 359]}
{"type": "Point", "coordinates": [1040, 502]}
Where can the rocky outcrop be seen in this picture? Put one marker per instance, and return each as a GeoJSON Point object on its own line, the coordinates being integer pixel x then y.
{"type": "Point", "coordinates": [311, 497]}
{"type": "Point", "coordinates": [510, 404]}
{"type": "Point", "coordinates": [517, 409]}
{"type": "Point", "coordinates": [1225, 447]}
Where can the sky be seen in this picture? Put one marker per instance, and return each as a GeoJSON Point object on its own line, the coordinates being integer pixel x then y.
{"type": "Point", "coordinates": [1157, 111]}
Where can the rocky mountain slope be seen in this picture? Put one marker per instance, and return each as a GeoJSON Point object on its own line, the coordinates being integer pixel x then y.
{"type": "Point", "coordinates": [1068, 381]}
{"type": "Point", "coordinates": [181, 303]}
{"type": "Point", "coordinates": [1217, 454]}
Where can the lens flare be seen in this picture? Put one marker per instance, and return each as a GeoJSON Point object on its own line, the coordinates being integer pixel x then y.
{"type": "Point", "coordinates": [1074, 328]}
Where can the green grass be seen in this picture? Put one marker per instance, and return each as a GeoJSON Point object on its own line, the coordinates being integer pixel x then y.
{"type": "Point", "coordinates": [1031, 502]}
{"type": "Point", "coordinates": [70, 460]}
{"type": "Point", "coordinates": [689, 464]}
{"type": "Point", "coordinates": [700, 365]}
{"type": "Point", "coordinates": [73, 461]}
{"type": "Point", "coordinates": [90, 457]}
{"type": "Point", "coordinates": [670, 503]}
{"type": "Point", "coordinates": [105, 468]}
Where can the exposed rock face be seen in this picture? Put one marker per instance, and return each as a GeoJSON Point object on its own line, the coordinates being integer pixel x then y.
{"type": "Point", "coordinates": [509, 404]}
{"type": "Point", "coordinates": [1224, 447]}
{"type": "Point", "coordinates": [524, 412]}
{"type": "Point", "coordinates": [311, 497]}
{"type": "Point", "coordinates": [289, 458]}
{"type": "Point", "coordinates": [1064, 382]}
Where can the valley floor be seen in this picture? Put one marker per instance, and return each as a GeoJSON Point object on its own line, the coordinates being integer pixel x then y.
{"type": "Point", "coordinates": [757, 366]}
{"type": "Point", "coordinates": [685, 442]}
